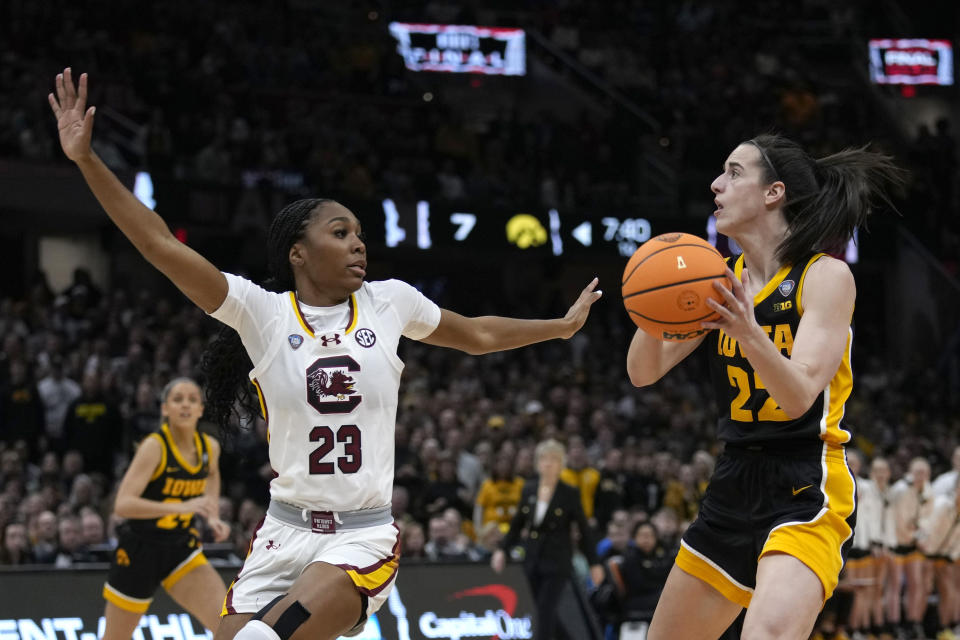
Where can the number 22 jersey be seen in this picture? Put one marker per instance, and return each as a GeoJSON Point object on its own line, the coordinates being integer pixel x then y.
{"type": "Point", "coordinates": [748, 414]}
{"type": "Point", "coordinates": [328, 381]}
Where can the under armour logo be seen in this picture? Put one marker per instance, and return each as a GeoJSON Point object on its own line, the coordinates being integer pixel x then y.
{"type": "Point", "coordinates": [326, 341]}
{"type": "Point", "coordinates": [270, 545]}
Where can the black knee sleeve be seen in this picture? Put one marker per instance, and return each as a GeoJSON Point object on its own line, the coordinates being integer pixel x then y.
{"type": "Point", "coordinates": [295, 615]}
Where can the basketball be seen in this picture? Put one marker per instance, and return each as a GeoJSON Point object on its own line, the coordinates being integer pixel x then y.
{"type": "Point", "coordinates": [667, 283]}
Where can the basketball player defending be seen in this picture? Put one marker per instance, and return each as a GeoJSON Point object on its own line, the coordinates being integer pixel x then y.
{"type": "Point", "coordinates": [323, 344]}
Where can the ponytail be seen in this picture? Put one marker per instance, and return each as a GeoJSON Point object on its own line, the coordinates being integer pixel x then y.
{"type": "Point", "coordinates": [225, 365]}
{"type": "Point", "coordinates": [826, 199]}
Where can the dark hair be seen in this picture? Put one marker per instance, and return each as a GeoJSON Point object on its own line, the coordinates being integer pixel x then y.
{"type": "Point", "coordinates": [826, 198]}
{"type": "Point", "coordinates": [224, 365]}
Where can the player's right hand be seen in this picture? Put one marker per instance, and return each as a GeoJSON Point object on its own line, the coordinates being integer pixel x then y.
{"type": "Point", "coordinates": [202, 506]}
{"type": "Point", "coordinates": [74, 120]}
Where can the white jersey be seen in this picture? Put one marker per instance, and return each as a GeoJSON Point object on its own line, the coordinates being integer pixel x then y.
{"type": "Point", "coordinates": [946, 484]}
{"type": "Point", "coordinates": [940, 531]}
{"type": "Point", "coordinates": [328, 379]}
{"type": "Point", "coordinates": [909, 507]}
{"type": "Point", "coordinates": [875, 523]}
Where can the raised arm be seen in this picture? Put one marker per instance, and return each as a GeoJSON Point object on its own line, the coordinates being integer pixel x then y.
{"type": "Point", "coordinates": [199, 280]}
{"type": "Point", "coordinates": [486, 334]}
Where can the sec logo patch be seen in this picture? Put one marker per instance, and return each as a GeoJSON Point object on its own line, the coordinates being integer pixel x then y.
{"type": "Point", "coordinates": [366, 337]}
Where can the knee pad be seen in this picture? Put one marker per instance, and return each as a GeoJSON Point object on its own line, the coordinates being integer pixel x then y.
{"type": "Point", "coordinates": [288, 622]}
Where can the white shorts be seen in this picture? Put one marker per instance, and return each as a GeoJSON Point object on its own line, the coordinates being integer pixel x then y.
{"type": "Point", "coordinates": [279, 553]}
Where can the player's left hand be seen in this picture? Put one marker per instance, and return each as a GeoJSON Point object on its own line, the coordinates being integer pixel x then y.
{"type": "Point", "coordinates": [221, 530]}
{"type": "Point", "coordinates": [577, 314]}
{"type": "Point", "coordinates": [736, 315]}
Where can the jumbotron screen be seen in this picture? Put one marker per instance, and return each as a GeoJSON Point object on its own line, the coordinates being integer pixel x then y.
{"type": "Point", "coordinates": [461, 48]}
{"type": "Point", "coordinates": [911, 61]}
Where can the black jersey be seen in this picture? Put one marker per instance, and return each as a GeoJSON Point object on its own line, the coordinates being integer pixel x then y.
{"type": "Point", "coordinates": [174, 480]}
{"type": "Point", "coordinates": [748, 415]}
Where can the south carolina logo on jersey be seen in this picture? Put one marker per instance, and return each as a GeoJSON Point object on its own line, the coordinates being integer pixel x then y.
{"type": "Point", "coordinates": [330, 385]}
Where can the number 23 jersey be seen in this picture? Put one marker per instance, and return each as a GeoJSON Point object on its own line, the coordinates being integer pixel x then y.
{"type": "Point", "coordinates": [328, 381]}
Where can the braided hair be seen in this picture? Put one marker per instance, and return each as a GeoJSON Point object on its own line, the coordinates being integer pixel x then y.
{"type": "Point", "coordinates": [225, 364]}
{"type": "Point", "coordinates": [827, 198]}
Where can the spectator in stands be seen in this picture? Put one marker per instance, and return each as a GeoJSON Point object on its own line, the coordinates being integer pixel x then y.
{"type": "Point", "coordinates": [611, 488]}
{"type": "Point", "coordinates": [580, 474]}
{"type": "Point", "coordinates": [498, 496]}
{"type": "Point", "coordinates": [93, 427]}
{"type": "Point", "coordinates": [640, 573]}
{"type": "Point", "coordinates": [946, 483]}
{"type": "Point", "coordinates": [619, 539]}
{"type": "Point", "coordinates": [488, 541]}
{"type": "Point", "coordinates": [21, 411]}
{"type": "Point", "coordinates": [16, 547]}
{"type": "Point", "coordinates": [446, 490]}
{"type": "Point", "coordinates": [71, 549]}
{"type": "Point", "coordinates": [470, 471]}
{"type": "Point", "coordinates": [44, 535]}
{"type": "Point", "coordinates": [683, 494]}
{"type": "Point", "coordinates": [911, 500]}
{"type": "Point", "coordinates": [413, 542]}
{"type": "Point", "coordinates": [442, 542]}
{"type": "Point", "coordinates": [57, 392]}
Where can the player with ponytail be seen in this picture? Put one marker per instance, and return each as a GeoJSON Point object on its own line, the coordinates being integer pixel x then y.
{"type": "Point", "coordinates": [777, 519]}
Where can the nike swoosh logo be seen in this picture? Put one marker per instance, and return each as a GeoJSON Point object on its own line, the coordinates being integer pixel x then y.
{"type": "Point", "coordinates": [796, 491]}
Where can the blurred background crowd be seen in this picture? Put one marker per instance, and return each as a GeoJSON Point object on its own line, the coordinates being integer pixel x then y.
{"type": "Point", "coordinates": [206, 93]}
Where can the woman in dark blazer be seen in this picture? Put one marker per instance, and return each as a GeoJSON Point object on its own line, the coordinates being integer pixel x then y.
{"type": "Point", "coordinates": [542, 525]}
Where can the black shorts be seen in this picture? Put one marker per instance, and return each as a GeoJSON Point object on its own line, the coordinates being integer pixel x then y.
{"type": "Point", "coordinates": [858, 554]}
{"type": "Point", "coordinates": [798, 500]}
{"type": "Point", "coordinates": [141, 563]}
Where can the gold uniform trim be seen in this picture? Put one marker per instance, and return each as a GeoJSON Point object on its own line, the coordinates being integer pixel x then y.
{"type": "Point", "coordinates": [699, 567]}
{"type": "Point", "coordinates": [803, 278]}
{"type": "Point", "coordinates": [817, 543]}
{"type": "Point", "coordinates": [352, 321]}
{"type": "Point", "coordinates": [163, 456]}
{"type": "Point", "coordinates": [190, 468]}
{"type": "Point", "coordinates": [134, 605]}
{"type": "Point", "coordinates": [372, 582]}
{"type": "Point", "coordinates": [193, 561]}
{"type": "Point", "coordinates": [300, 318]}
{"type": "Point", "coordinates": [768, 288]}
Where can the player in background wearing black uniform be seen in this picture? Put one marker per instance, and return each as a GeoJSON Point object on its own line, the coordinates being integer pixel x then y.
{"type": "Point", "coordinates": [779, 510]}
{"type": "Point", "coordinates": [173, 477]}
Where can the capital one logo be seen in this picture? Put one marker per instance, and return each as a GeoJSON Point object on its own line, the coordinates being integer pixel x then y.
{"type": "Point", "coordinates": [490, 624]}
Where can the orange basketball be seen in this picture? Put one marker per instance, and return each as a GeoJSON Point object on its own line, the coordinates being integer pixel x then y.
{"type": "Point", "coordinates": [667, 283]}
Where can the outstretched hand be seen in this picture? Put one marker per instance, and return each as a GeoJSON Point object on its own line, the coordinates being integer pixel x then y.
{"type": "Point", "coordinates": [74, 120]}
{"type": "Point", "coordinates": [577, 314]}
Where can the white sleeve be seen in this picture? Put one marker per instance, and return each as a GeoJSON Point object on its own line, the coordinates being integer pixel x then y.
{"type": "Point", "coordinates": [418, 314]}
{"type": "Point", "coordinates": [252, 311]}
